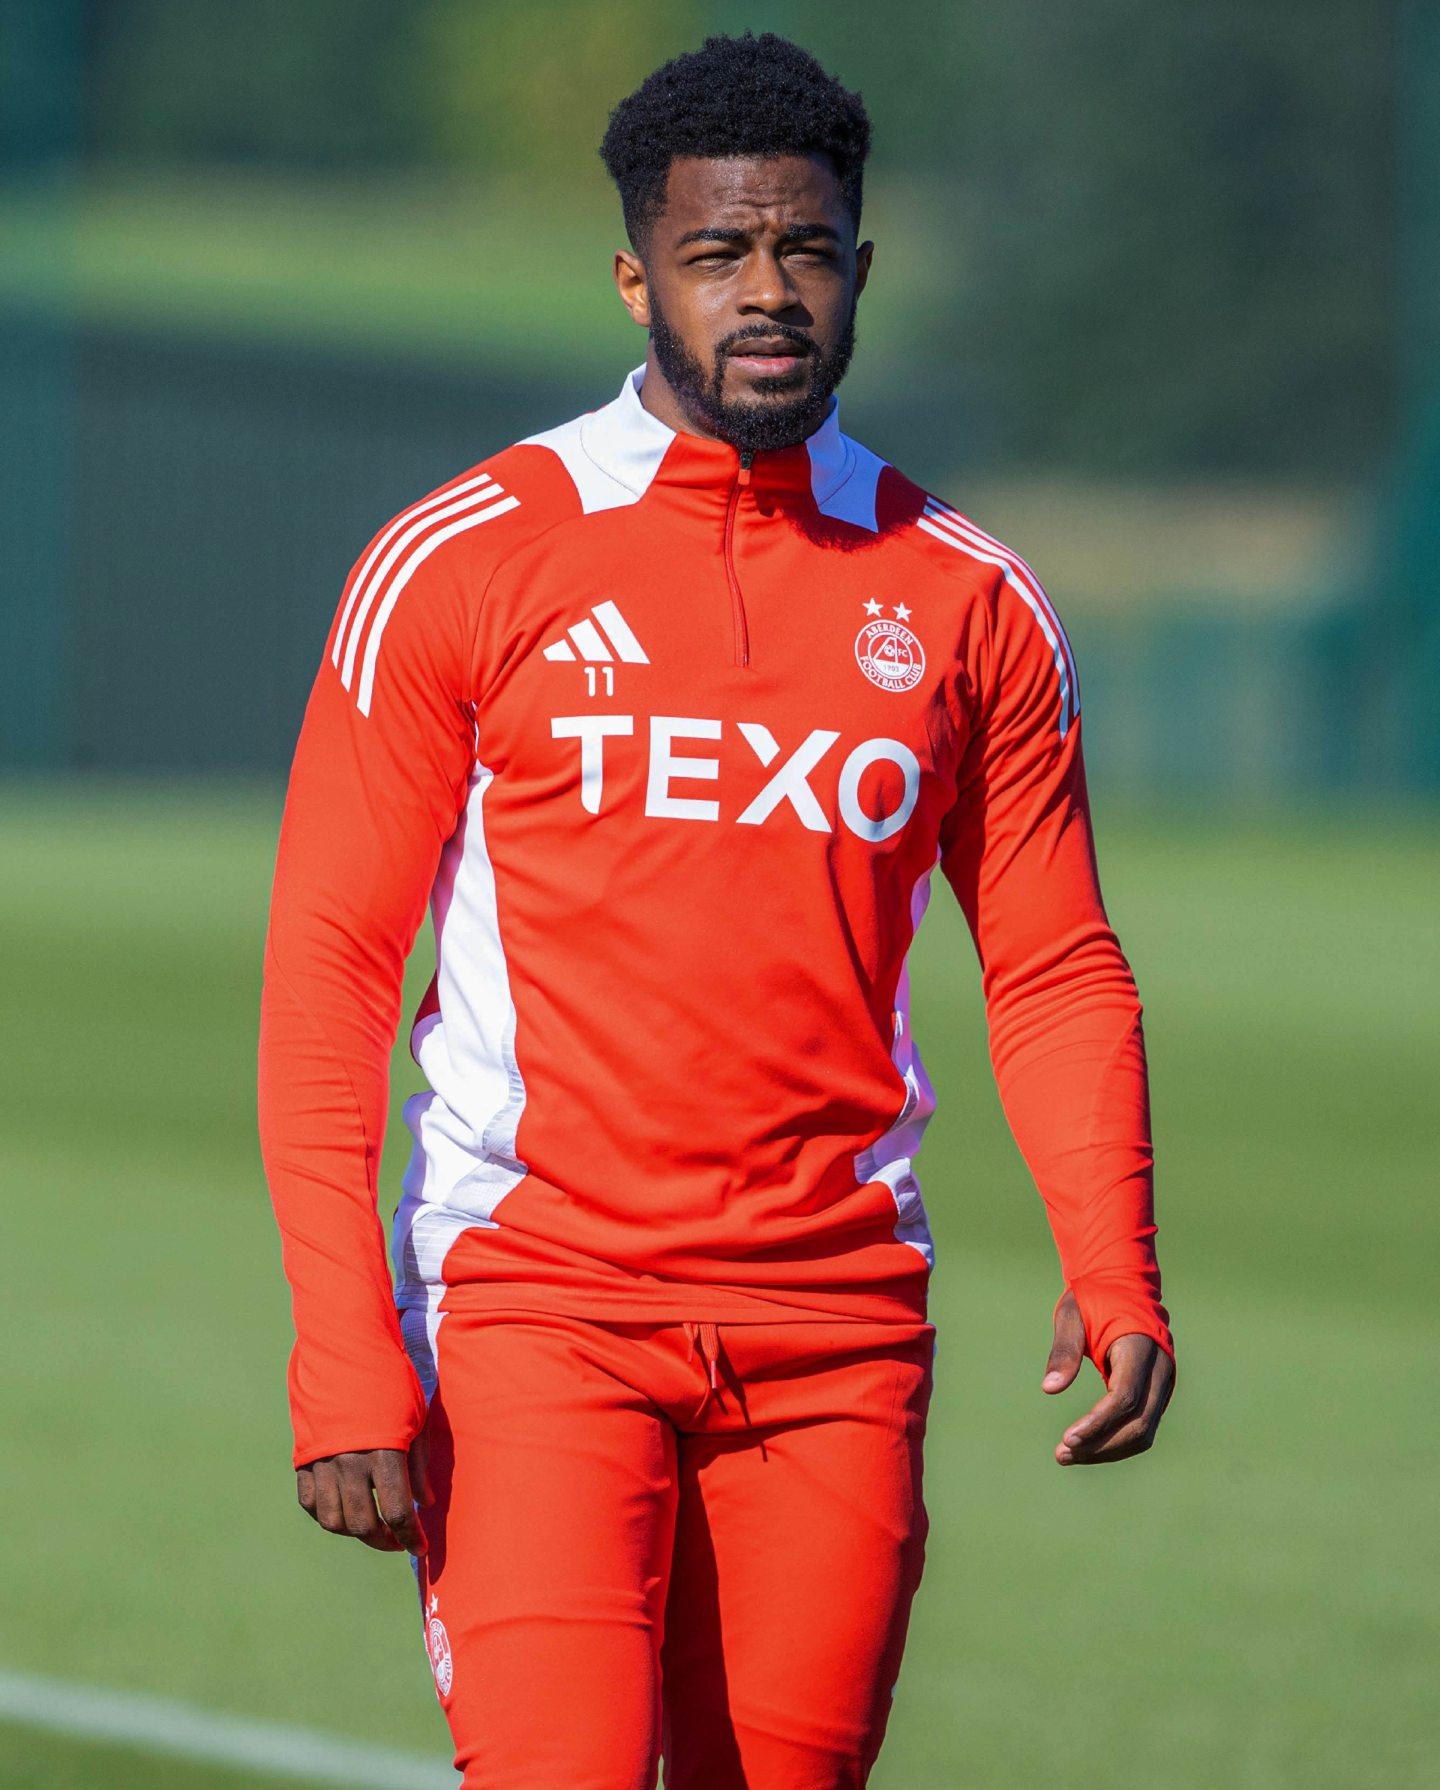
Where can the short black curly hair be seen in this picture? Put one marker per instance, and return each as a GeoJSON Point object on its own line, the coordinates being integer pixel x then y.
{"type": "Point", "coordinates": [733, 96]}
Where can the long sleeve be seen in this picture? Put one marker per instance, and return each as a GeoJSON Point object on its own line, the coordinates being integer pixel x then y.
{"type": "Point", "coordinates": [1064, 1016]}
{"type": "Point", "coordinates": [377, 782]}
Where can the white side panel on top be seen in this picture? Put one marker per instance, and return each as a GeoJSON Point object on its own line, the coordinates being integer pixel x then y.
{"type": "Point", "coordinates": [463, 1162]}
{"type": "Point", "coordinates": [891, 1158]}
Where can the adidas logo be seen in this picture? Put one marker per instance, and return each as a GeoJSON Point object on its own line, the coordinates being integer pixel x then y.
{"type": "Point", "coordinates": [616, 641]}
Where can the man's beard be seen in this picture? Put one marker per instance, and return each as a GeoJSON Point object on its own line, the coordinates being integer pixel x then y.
{"type": "Point", "coordinates": [752, 425]}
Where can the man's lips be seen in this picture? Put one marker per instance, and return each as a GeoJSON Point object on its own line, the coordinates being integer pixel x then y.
{"type": "Point", "coordinates": [767, 359]}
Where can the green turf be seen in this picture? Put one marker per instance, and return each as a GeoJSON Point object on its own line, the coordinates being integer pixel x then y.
{"type": "Point", "coordinates": [33, 1761]}
{"type": "Point", "coordinates": [1248, 1607]}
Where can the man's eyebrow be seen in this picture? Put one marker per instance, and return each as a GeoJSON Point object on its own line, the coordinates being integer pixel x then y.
{"type": "Point", "coordinates": [807, 232]}
{"type": "Point", "coordinates": [738, 238]}
{"type": "Point", "coordinates": [718, 233]}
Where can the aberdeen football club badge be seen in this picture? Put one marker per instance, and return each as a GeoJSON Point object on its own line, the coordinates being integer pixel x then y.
{"type": "Point", "coordinates": [437, 1644]}
{"type": "Point", "coordinates": [888, 653]}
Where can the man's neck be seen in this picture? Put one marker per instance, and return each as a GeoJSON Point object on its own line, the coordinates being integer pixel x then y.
{"type": "Point", "coordinates": [659, 398]}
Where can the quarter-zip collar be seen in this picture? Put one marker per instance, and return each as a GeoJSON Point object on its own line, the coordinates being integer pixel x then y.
{"type": "Point", "coordinates": [631, 446]}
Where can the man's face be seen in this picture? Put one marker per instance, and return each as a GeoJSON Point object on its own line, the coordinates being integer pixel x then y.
{"type": "Point", "coordinates": [748, 285]}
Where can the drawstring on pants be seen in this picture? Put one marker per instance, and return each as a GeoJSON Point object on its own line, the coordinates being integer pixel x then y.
{"type": "Point", "coordinates": [707, 1337]}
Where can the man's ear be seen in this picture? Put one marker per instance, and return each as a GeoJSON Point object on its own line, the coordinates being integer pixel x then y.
{"type": "Point", "coordinates": [633, 285]}
{"type": "Point", "coordinates": [864, 254]}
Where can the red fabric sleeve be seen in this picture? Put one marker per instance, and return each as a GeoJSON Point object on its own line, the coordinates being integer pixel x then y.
{"type": "Point", "coordinates": [372, 798]}
{"type": "Point", "coordinates": [1064, 1016]}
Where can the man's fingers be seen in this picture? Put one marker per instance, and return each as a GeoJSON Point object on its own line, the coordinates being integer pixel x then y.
{"type": "Point", "coordinates": [1067, 1352]}
{"type": "Point", "coordinates": [1125, 1400]}
{"type": "Point", "coordinates": [1122, 1424]}
{"type": "Point", "coordinates": [328, 1512]}
{"type": "Point", "coordinates": [1135, 1437]}
{"type": "Point", "coordinates": [1119, 1444]}
{"type": "Point", "coordinates": [419, 1464]}
{"type": "Point", "coordinates": [342, 1493]}
{"type": "Point", "coordinates": [362, 1520]}
{"type": "Point", "coordinates": [1115, 1409]}
{"type": "Point", "coordinates": [397, 1507]}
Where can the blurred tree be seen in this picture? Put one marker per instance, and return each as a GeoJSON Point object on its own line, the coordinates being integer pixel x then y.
{"type": "Point", "coordinates": [528, 89]}
{"type": "Point", "coordinates": [272, 83]}
{"type": "Point", "coordinates": [41, 53]}
{"type": "Point", "coordinates": [1182, 244]}
{"type": "Point", "coordinates": [1168, 230]}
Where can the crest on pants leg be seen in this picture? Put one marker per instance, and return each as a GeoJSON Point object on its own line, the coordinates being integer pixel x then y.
{"type": "Point", "coordinates": [437, 1645]}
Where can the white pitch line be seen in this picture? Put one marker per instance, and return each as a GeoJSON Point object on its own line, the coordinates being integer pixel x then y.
{"type": "Point", "coordinates": [157, 1725]}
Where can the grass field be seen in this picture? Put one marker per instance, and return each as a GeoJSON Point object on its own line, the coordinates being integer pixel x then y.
{"type": "Point", "coordinates": [1251, 1607]}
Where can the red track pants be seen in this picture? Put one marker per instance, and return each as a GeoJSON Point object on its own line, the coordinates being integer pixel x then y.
{"type": "Point", "coordinates": [653, 1537]}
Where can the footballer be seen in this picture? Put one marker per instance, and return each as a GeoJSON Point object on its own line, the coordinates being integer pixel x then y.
{"type": "Point", "coordinates": [672, 716]}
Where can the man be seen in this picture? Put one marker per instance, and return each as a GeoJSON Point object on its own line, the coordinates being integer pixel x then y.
{"type": "Point", "coordinates": [671, 713]}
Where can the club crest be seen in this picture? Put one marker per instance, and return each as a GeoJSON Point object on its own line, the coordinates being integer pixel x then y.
{"type": "Point", "coordinates": [890, 655]}
{"type": "Point", "coordinates": [437, 1644]}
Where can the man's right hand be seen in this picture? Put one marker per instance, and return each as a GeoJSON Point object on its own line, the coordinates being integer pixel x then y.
{"type": "Point", "coordinates": [368, 1495]}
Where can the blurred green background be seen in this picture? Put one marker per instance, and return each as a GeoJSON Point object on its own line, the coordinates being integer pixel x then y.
{"type": "Point", "coordinates": [1157, 299]}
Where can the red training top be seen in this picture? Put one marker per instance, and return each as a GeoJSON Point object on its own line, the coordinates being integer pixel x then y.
{"type": "Point", "coordinates": [671, 744]}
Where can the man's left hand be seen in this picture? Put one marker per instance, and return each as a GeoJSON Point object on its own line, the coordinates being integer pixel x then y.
{"type": "Point", "coordinates": [1138, 1386]}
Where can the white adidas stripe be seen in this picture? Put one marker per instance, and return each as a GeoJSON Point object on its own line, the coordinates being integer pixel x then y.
{"type": "Point", "coordinates": [594, 644]}
{"type": "Point", "coordinates": [402, 520]}
{"type": "Point", "coordinates": [964, 525]}
{"type": "Point", "coordinates": [970, 532]}
{"type": "Point", "coordinates": [591, 642]}
{"type": "Point", "coordinates": [1059, 653]}
{"type": "Point", "coordinates": [949, 527]}
{"type": "Point", "coordinates": [616, 626]}
{"type": "Point", "coordinates": [417, 528]}
{"type": "Point", "coordinates": [403, 577]}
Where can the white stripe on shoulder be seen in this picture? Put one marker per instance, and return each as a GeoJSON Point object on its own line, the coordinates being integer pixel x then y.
{"type": "Point", "coordinates": [426, 547]}
{"type": "Point", "coordinates": [947, 525]}
{"type": "Point", "coordinates": [386, 537]}
{"type": "Point", "coordinates": [487, 493]}
{"type": "Point", "coordinates": [965, 525]}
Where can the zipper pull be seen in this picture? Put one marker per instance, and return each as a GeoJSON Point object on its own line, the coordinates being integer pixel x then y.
{"type": "Point", "coordinates": [744, 478]}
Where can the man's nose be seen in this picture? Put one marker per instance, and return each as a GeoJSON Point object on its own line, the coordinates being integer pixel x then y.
{"type": "Point", "coordinates": [766, 286]}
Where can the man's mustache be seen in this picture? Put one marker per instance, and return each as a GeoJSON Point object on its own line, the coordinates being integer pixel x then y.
{"type": "Point", "coordinates": [793, 338]}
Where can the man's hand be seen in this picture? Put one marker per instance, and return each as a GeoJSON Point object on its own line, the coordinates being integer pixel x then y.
{"type": "Point", "coordinates": [368, 1495]}
{"type": "Point", "coordinates": [1139, 1384]}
